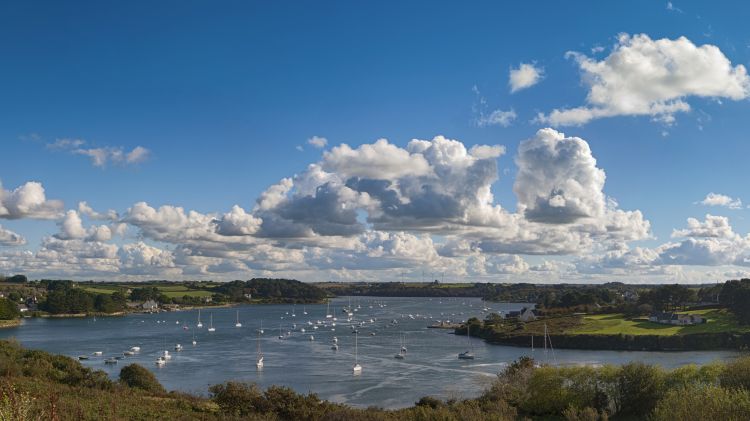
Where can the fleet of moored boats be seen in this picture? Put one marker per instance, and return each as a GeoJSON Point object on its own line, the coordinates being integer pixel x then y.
{"type": "Point", "coordinates": [328, 322]}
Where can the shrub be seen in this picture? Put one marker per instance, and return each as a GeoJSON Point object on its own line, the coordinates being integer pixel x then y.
{"type": "Point", "coordinates": [703, 402]}
{"type": "Point", "coordinates": [429, 401]}
{"type": "Point", "coordinates": [736, 374]}
{"type": "Point", "coordinates": [136, 376]}
{"type": "Point", "coordinates": [236, 398]}
{"type": "Point", "coordinates": [640, 386]}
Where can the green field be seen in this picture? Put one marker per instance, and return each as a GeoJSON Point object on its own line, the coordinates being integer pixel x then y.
{"type": "Point", "coordinates": [168, 290]}
{"type": "Point", "coordinates": [613, 324]}
{"type": "Point", "coordinates": [189, 293]}
{"type": "Point", "coordinates": [100, 290]}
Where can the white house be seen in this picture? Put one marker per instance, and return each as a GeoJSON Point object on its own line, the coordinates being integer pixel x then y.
{"type": "Point", "coordinates": [670, 318]}
{"type": "Point", "coordinates": [527, 315]}
{"type": "Point", "coordinates": [150, 305]}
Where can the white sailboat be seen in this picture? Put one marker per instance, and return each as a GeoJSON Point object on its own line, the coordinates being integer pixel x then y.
{"type": "Point", "coordinates": [281, 333]}
{"type": "Point", "coordinates": [357, 369]}
{"type": "Point", "coordinates": [259, 357]}
{"type": "Point", "coordinates": [238, 324]}
{"type": "Point", "coordinates": [304, 310]}
{"type": "Point", "coordinates": [467, 355]}
{"type": "Point", "coordinates": [194, 341]}
{"type": "Point", "coordinates": [199, 319]}
{"type": "Point", "coordinates": [328, 310]}
{"type": "Point", "coordinates": [261, 328]}
{"type": "Point", "coordinates": [402, 352]}
{"type": "Point", "coordinates": [211, 327]}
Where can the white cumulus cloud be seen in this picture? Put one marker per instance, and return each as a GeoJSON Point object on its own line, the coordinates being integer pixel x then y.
{"type": "Point", "coordinates": [524, 76]}
{"type": "Point", "coordinates": [716, 199]}
{"type": "Point", "coordinates": [28, 201]}
{"type": "Point", "coordinates": [10, 238]}
{"type": "Point", "coordinates": [642, 76]}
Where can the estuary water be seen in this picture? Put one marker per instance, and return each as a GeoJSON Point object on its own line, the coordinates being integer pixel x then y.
{"type": "Point", "coordinates": [430, 367]}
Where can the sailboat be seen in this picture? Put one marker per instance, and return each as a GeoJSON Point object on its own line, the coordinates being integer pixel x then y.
{"type": "Point", "coordinates": [467, 355]}
{"type": "Point", "coordinates": [304, 310]}
{"type": "Point", "coordinates": [357, 369]}
{"type": "Point", "coordinates": [199, 319]}
{"type": "Point", "coordinates": [281, 334]}
{"type": "Point", "coordinates": [259, 358]}
{"type": "Point", "coordinates": [402, 352]}
{"type": "Point", "coordinates": [194, 341]}
{"type": "Point", "coordinates": [335, 343]}
{"type": "Point", "coordinates": [238, 324]}
{"type": "Point", "coordinates": [547, 338]}
{"type": "Point", "coordinates": [211, 327]}
{"type": "Point", "coordinates": [261, 327]}
{"type": "Point", "coordinates": [328, 310]}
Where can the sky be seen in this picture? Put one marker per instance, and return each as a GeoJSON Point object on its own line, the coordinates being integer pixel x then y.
{"type": "Point", "coordinates": [375, 141]}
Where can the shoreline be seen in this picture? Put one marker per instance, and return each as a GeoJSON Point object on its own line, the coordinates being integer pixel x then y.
{"type": "Point", "coordinates": [125, 313]}
{"type": "Point", "coordinates": [5, 324]}
{"type": "Point", "coordinates": [723, 341]}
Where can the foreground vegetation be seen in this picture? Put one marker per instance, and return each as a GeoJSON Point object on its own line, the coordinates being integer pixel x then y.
{"type": "Point", "coordinates": [35, 385]}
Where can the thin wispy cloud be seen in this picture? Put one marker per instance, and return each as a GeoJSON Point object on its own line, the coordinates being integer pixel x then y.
{"type": "Point", "coordinates": [317, 142]}
{"type": "Point", "coordinates": [485, 118]}
{"type": "Point", "coordinates": [101, 156]}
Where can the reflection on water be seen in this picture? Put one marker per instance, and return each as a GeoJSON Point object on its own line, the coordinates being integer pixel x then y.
{"type": "Point", "coordinates": [431, 366]}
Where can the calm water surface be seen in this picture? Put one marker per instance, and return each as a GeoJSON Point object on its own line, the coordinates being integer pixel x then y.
{"type": "Point", "coordinates": [431, 366]}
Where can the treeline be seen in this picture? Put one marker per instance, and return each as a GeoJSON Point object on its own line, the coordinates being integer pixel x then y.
{"type": "Point", "coordinates": [272, 290]}
{"type": "Point", "coordinates": [38, 385]}
{"type": "Point", "coordinates": [64, 297]}
{"type": "Point", "coordinates": [735, 295]}
{"type": "Point", "coordinates": [400, 289]}
{"type": "Point", "coordinates": [18, 279]}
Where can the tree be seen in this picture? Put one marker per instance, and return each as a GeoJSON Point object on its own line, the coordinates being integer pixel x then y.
{"type": "Point", "coordinates": [16, 279]}
{"type": "Point", "coordinates": [640, 386]}
{"type": "Point", "coordinates": [8, 310]}
{"type": "Point", "coordinates": [145, 294]}
{"type": "Point", "coordinates": [138, 377]}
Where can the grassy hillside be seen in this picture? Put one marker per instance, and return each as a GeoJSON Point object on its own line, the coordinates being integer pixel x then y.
{"type": "Point", "coordinates": [719, 320]}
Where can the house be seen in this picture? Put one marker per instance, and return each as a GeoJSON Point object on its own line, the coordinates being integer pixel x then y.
{"type": "Point", "coordinates": [150, 305]}
{"type": "Point", "coordinates": [527, 315]}
{"type": "Point", "coordinates": [249, 296]}
{"type": "Point", "coordinates": [630, 296]}
{"type": "Point", "coordinates": [661, 317]}
{"type": "Point", "coordinates": [22, 308]}
{"type": "Point", "coordinates": [511, 314]}
{"type": "Point", "coordinates": [671, 318]}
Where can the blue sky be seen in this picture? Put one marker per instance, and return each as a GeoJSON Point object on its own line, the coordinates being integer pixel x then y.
{"type": "Point", "coordinates": [222, 96]}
